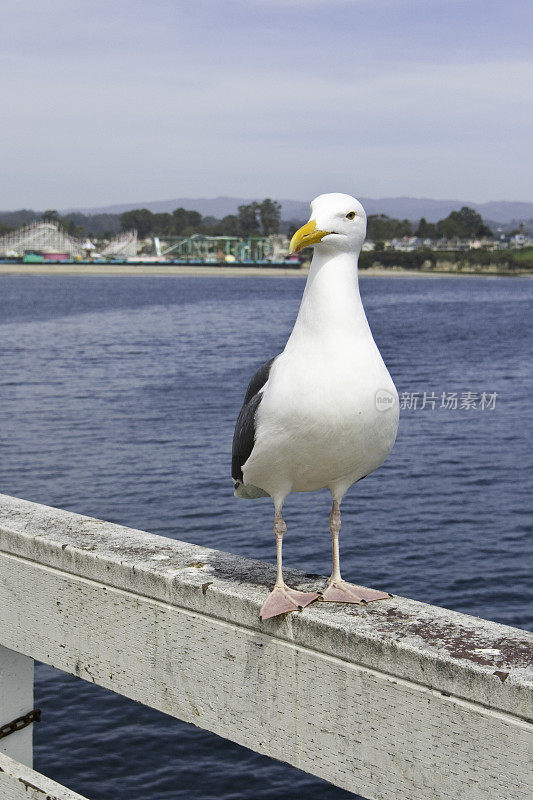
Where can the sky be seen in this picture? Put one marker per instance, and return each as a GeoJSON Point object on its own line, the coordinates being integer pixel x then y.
{"type": "Point", "coordinates": [126, 101]}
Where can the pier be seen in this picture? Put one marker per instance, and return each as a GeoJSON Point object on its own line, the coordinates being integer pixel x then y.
{"type": "Point", "coordinates": [397, 700]}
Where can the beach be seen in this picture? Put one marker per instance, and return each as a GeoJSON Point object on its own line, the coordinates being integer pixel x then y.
{"type": "Point", "coordinates": [227, 271]}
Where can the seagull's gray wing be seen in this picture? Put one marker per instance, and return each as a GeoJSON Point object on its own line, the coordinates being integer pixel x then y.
{"type": "Point", "coordinates": [244, 436]}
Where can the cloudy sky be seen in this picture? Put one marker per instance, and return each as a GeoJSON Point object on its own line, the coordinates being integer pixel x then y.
{"type": "Point", "coordinates": [123, 101]}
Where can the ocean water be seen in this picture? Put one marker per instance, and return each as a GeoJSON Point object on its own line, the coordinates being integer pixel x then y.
{"type": "Point", "coordinates": [118, 397]}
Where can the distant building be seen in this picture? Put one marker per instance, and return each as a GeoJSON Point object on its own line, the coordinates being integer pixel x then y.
{"type": "Point", "coordinates": [520, 240]}
{"type": "Point", "coordinates": [406, 244]}
{"type": "Point", "coordinates": [483, 244]}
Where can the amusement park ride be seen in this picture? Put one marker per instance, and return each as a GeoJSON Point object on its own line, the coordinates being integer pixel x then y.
{"type": "Point", "coordinates": [45, 241]}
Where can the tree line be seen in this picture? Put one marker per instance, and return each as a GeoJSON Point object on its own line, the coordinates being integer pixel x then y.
{"type": "Point", "coordinates": [463, 224]}
{"type": "Point", "coordinates": [265, 218]}
{"type": "Point", "coordinates": [257, 218]}
{"type": "Point", "coordinates": [251, 219]}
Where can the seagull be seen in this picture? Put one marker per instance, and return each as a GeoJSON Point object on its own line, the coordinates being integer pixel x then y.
{"type": "Point", "coordinates": [324, 412]}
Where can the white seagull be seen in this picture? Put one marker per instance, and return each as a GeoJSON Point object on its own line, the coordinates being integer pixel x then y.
{"type": "Point", "coordinates": [323, 413]}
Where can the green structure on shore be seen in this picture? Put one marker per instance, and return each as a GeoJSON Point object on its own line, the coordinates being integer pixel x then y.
{"type": "Point", "coordinates": [225, 248]}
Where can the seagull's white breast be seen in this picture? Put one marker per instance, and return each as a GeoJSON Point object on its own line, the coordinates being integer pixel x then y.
{"type": "Point", "coordinates": [319, 424]}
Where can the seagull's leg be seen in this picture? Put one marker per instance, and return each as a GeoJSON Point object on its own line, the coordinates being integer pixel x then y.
{"type": "Point", "coordinates": [340, 591]}
{"type": "Point", "coordinates": [282, 598]}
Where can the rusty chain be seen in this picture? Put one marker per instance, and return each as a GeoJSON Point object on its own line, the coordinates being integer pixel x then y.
{"type": "Point", "coordinates": [20, 722]}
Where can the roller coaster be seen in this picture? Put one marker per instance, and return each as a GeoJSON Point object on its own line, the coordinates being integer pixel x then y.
{"type": "Point", "coordinates": [48, 238]}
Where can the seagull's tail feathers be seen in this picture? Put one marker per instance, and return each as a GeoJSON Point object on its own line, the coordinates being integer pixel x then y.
{"type": "Point", "coordinates": [248, 491]}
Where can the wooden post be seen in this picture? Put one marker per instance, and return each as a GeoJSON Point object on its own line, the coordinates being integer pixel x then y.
{"type": "Point", "coordinates": [16, 699]}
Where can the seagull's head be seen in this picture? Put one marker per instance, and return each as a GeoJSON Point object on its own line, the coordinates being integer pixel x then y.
{"type": "Point", "coordinates": [337, 224]}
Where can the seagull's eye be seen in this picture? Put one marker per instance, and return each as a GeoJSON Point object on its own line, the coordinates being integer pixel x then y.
{"type": "Point", "coordinates": [350, 215]}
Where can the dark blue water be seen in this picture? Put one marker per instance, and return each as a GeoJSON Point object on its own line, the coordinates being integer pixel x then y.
{"type": "Point", "coordinates": [118, 400]}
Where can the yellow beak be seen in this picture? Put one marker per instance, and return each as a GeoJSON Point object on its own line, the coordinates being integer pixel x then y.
{"type": "Point", "coordinates": [306, 236]}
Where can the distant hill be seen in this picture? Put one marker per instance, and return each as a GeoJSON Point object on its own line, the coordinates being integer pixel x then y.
{"type": "Point", "coordinates": [412, 208]}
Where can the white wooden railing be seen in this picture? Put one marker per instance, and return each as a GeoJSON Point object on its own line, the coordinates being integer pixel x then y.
{"type": "Point", "coordinates": [396, 700]}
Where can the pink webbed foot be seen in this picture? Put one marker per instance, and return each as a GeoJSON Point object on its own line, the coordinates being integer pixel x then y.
{"type": "Point", "coordinates": [282, 599]}
{"type": "Point", "coordinates": [343, 592]}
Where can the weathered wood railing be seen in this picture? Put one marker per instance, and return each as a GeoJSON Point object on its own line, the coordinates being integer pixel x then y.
{"type": "Point", "coordinates": [393, 700]}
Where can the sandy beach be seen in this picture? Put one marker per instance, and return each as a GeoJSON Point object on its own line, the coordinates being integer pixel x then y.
{"type": "Point", "coordinates": [141, 269]}
{"type": "Point", "coordinates": [227, 272]}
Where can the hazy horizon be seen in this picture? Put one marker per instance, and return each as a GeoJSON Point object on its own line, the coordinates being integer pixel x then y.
{"type": "Point", "coordinates": [286, 98]}
{"type": "Point", "coordinates": [260, 195]}
{"type": "Point", "coordinates": [140, 202]}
